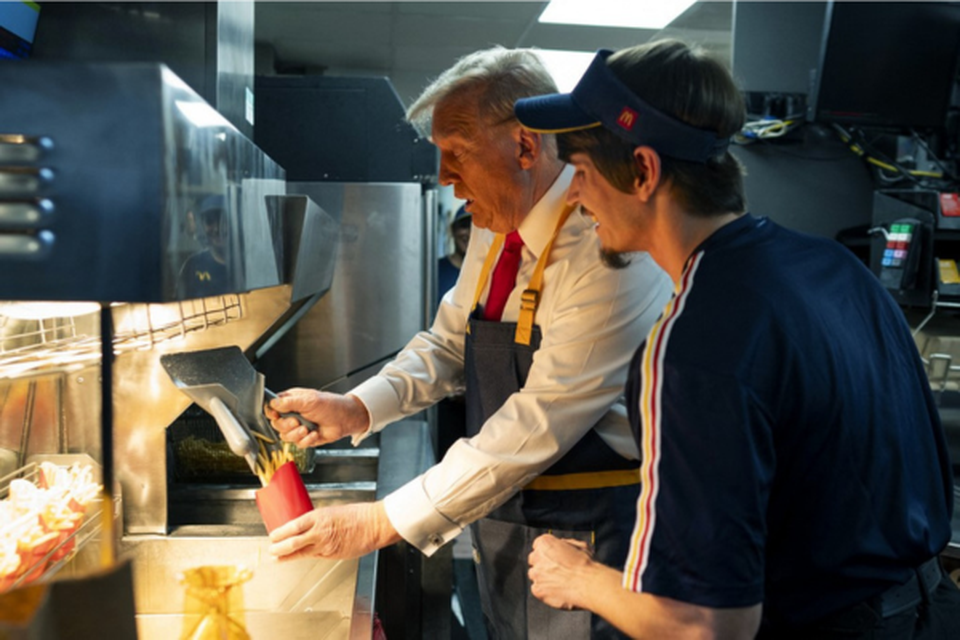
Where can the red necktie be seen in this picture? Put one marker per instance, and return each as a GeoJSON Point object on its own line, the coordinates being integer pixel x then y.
{"type": "Point", "coordinates": [504, 277]}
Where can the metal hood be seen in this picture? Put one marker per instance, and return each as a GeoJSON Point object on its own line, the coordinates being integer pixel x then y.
{"type": "Point", "coordinates": [104, 169]}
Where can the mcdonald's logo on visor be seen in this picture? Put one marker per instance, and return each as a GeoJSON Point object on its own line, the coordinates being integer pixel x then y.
{"type": "Point", "coordinates": [627, 118]}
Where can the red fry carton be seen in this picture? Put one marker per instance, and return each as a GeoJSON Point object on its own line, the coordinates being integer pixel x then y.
{"type": "Point", "coordinates": [284, 498]}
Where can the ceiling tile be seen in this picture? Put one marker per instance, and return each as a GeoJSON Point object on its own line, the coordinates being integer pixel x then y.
{"type": "Point", "coordinates": [421, 39]}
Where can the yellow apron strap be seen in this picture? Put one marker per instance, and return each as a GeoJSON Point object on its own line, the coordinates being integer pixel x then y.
{"type": "Point", "coordinates": [530, 299]}
{"type": "Point", "coordinates": [589, 480]}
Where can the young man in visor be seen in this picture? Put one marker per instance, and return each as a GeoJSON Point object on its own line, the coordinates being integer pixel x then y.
{"type": "Point", "coordinates": [796, 481]}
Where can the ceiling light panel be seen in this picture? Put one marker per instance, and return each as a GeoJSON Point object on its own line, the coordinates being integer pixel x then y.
{"type": "Point", "coordinates": [637, 14]}
{"type": "Point", "coordinates": [566, 67]}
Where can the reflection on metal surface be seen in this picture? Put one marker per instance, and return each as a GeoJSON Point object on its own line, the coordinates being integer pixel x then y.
{"type": "Point", "coordinates": [53, 343]}
{"type": "Point", "coordinates": [235, 63]}
{"type": "Point", "coordinates": [25, 214]}
{"type": "Point", "coordinates": [200, 114]}
{"type": "Point", "coordinates": [207, 507]}
{"type": "Point", "coordinates": [20, 148]}
{"type": "Point", "coordinates": [23, 247]}
{"type": "Point", "coordinates": [213, 602]}
{"type": "Point", "coordinates": [310, 245]}
{"type": "Point", "coordinates": [376, 301]}
{"type": "Point", "coordinates": [129, 179]}
{"type": "Point", "coordinates": [288, 596]}
{"type": "Point", "coordinates": [23, 181]}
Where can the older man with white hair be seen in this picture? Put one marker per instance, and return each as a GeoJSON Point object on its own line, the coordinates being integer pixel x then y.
{"type": "Point", "coordinates": [539, 344]}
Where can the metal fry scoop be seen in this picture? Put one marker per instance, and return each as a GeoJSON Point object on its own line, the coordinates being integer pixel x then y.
{"type": "Point", "coordinates": [224, 383]}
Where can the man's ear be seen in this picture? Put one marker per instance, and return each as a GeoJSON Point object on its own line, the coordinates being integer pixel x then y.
{"type": "Point", "coordinates": [648, 168]}
{"type": "Point", "coordinates": [530, 144]}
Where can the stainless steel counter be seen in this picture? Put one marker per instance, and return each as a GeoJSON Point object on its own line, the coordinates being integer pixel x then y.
{"type": "Point", "coordinates": [307, 598]}
{"type": "Point", "coordinates": [299, 599]}
{"type": "Point", "coordinates": [293, 600]}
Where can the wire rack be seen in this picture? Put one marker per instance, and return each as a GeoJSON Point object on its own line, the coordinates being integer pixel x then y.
{"type": "Point", "coordinates": [41, 565]}
{"type": "Point", "coordinates": [34, 346]}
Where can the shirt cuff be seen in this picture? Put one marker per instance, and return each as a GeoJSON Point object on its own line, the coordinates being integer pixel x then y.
{"type": "Point", "coordinates": [416, 519]}
{"type": "Point", "coordinates": [378, 396]}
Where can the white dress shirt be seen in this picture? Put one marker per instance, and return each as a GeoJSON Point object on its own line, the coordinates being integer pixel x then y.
{"type": "Point", "coordinates": [592, 318]}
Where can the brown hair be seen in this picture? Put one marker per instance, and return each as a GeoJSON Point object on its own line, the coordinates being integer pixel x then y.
{"type": "Point", "coordinates": [687, 84]}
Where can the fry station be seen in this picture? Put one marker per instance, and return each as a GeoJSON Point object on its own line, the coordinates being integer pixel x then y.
{"type": "Point", "coordinates": [152, 255]}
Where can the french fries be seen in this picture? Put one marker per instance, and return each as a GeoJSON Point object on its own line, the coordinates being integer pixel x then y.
{"type": "Point", "coordinates": [269, 458]}
{"type": "Point", "coordinates": [37, 521]}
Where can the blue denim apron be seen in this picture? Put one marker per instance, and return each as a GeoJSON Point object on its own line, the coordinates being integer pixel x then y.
{"type": "Point", "coordinates": [590, 494]}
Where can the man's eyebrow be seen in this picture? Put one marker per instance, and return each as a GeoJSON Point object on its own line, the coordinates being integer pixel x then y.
{"type": "Point", "coordinates": [457, 126]}
{"type": "Point", "coordinates": [452, 139]}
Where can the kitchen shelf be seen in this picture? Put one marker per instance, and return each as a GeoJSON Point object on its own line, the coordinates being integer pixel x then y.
{"type": "Point", "coordinates": [935, 305]}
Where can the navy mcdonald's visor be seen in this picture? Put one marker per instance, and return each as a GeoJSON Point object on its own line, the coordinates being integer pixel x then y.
{"type": "Point", "coordinates": [601, 99]}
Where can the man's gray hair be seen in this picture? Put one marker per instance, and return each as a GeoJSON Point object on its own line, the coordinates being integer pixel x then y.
{"type": "Point", "coordinates": [500, 76]}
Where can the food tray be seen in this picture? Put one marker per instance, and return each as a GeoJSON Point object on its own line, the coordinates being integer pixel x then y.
{"type": "Point", "coordinates": [37, 541]}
